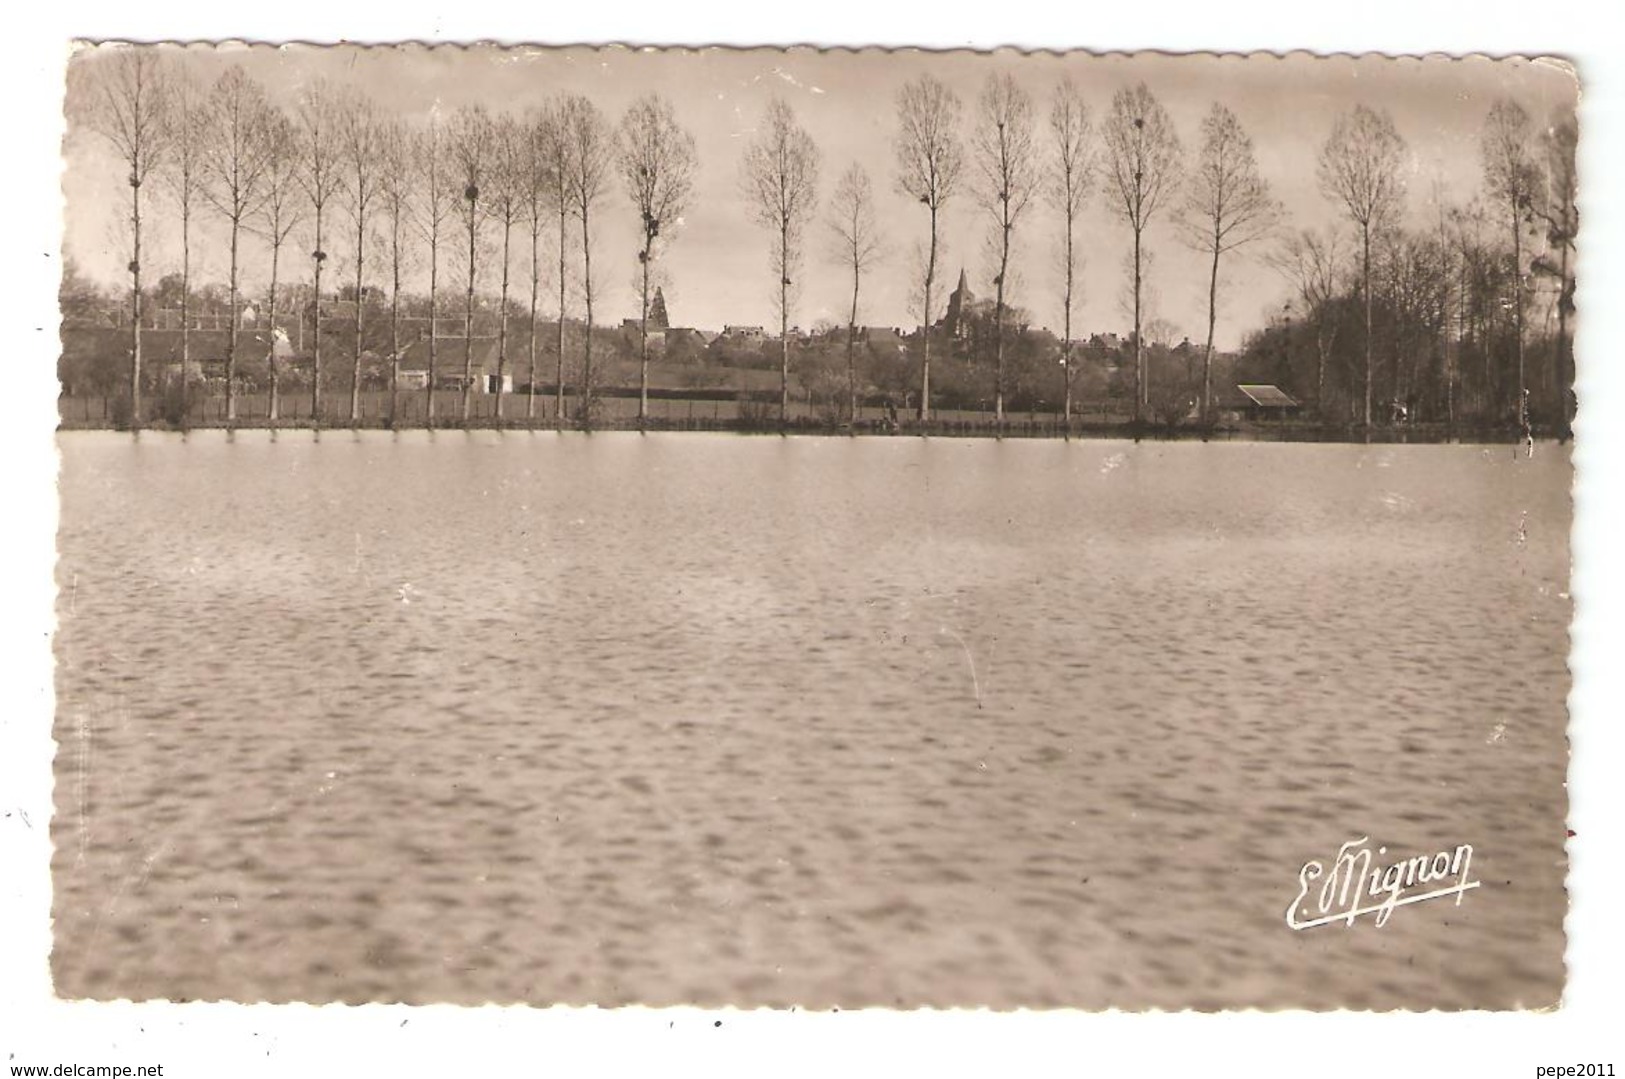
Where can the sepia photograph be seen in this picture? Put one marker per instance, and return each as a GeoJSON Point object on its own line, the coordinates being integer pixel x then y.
{"type": "Point", "coordinates": [799, 528]}
{"type": "Point", "coordinates": [653, 540]}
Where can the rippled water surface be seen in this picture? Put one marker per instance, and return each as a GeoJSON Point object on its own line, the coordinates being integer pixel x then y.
{"type": "Point", "coordinates": [898, 722]}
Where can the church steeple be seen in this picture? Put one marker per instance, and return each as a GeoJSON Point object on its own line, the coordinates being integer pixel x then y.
{"type": "Point", "coordinates": [957, 321]}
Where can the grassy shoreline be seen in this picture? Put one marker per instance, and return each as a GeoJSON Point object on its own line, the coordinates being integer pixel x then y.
{"type": "Point", "coordinates": [616, 409]}
{"type": "Point", "coordinates": [1016, 428]}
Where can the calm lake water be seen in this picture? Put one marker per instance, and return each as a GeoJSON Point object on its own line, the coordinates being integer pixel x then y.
{"type": "Point", "coordinates": [816, 721]}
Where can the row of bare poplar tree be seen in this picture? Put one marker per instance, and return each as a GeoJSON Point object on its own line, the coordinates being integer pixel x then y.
{"type": "Point", "coordinates": [267, 171]}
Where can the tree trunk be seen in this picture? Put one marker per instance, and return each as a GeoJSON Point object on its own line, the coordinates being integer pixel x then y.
{"type": "Point", "coordinates": [1140, 396]}
{"type": "Point", "coordinates": [558, 385]}
{"type": "Point", "coordinates": [784, 323]}
{"type": "Point", "coordinates": [1463, 322]}
{"type": "Point", "coordinates": [1408, 323]}
{"type": "Point", "coordinates": [502, 317]}
{"type": "Point", "coordinates": [1517, 303]}
{"type": "Point", "coordinates": [316, 328]}
{"type": "Point", "coordinates": [1446, 360]}
{"type": "Point", "coordinates": [395, 320]}
{"type": "Point", "coordinates": [135, 304]}
{"type": "Point", "coordinates": [355, 373]}
{"type": "Point", "coordinates": [1066, 320]}
{"type": "Point", "coordinates": [851, 350]}
{"type": "Point", "coordinates": [468, 321]}
{"type": "Point", "coordinates": [434, 324]}
{"type": "Point", "coordinates": [643, 337]}
{"type": "Point", "coordinates": [998, 327]}
{"type": "Point", "coordinates": [273, 409]}
{"type": "Point", "coordinates": [1560, 366]}
{"type": "Point", "coordinates": [586, 286]}
{"type": "Point", "coordinates": [1212, 321]}
{"type": "Point", "coordinates": [535, 287]}
{"type": "Point", "coordinates": [1323, 348]}
{"type": "Point", "coordinates": [231, 330]}
{"type": "Point", "coordinates": [925, 322]}
{"type": "Point", "coordinates": [186, 286]}
{"type": "Point", "coordinates": [1365, 287]}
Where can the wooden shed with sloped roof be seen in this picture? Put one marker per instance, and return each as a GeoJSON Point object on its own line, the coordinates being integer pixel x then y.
{"type": "Point", "coordinates": [1255, 402]}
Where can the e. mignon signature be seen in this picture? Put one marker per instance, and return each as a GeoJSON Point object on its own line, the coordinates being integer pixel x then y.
{"type": "Point", "coordinates": [1358, 884]}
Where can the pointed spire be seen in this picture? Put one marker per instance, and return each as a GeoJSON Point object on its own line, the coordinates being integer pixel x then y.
{"type": "Point", "coordinates": [963, 284]}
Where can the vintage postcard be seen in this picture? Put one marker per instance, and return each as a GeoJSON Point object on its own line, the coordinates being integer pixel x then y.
{"type": "Point", "coordinates": [814, 528]}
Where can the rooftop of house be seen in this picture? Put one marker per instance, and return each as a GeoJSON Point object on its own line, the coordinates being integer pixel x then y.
{"type": "Point", "coordinates": [1266, 396]}
{"type": "Point", "coordinates": [451, 353]}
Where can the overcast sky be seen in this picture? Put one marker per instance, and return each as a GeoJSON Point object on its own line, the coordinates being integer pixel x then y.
{"type": "Point", "coordinates": [716, 263]}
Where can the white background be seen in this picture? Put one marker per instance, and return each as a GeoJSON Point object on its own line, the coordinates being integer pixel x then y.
{"type": "Point", "coordinates": [220, 1040]}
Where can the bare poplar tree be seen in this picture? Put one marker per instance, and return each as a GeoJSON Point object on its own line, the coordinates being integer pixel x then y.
{"type": "Point", "coordinates": [433, 174]}
{"type": "Point", "coordinates": [929, 160]}
{"type": "Point", "coordinates": [1511, 178]}
{"type": "Point", "coordinates": [779, 174]}
{"type": "Point", "coordinates": [657, 166]}
{"type": "Point", "coordinates": [320, 177]}
{"type": "Point", "coordinates": [396, 188]}
{"type": "Point", "coordinates": [279, 214]}
{"type": "Point", "coordinates": [505, 198]}
{"type": "Point", "coordinates": [553, 139]}
{"type": "Point", "coordinates": [1479, 284]}
{"type": "Point", "coordinates": [1558, 206]}
{"type": "Point", "coordinates": [1449, 281]}
{"type": "Point", "coordinates": [129, 106]}
{"type": "Point", "coordinates": [237, 159]}
{"type": "Point", "coordinates": [1071, 175]}
{"type": "Point", "coordinates": [471, 151]}
{"type": "Point", "coordinates": [1312, 261]}
{"type": "Point", "coordinates": [184, 176]}
{"type": "Point", "coordinates": [360, 144]}
{"type": "Point", "coordinates": [536, 180]}
{"type": "Point", "coordinates": [590, 158]}
{"type": "Point", "coordinates": [858, 247]}
{"type": "Point", "coordinates": [1007, 172]}
{"type": "Point", "coordinates": [1361, 167]}
{"type": "Point", "coordinates": [1228, 205]}
{"type": "Point", "coordinates": [1143, 171]}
